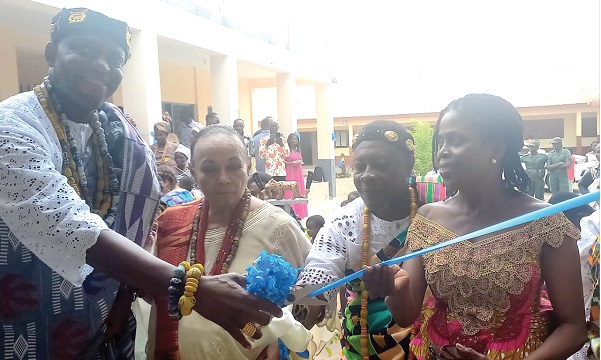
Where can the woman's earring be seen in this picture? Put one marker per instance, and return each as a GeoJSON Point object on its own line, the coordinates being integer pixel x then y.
{"type": "Point", "coordinates": [493, 161]}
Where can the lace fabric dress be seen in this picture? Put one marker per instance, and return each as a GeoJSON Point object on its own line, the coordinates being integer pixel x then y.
{"type": "Point", "coordinates": [486, 295]}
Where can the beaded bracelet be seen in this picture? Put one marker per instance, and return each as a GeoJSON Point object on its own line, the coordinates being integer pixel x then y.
{"type": "Point", "coordinates": [187, 301]}
{"type": "Point", "coordinates": [175, 290]}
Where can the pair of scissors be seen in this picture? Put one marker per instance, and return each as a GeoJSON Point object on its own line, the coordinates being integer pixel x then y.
{"type": "Point", "coordinates": [299, 296]}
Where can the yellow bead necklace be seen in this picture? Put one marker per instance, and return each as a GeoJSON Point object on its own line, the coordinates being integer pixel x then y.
{"type": "Point", "coordinates": [365, 262]}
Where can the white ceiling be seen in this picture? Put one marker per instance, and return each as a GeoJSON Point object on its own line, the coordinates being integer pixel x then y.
{"type": "Point", "coordinates": [31, 21]}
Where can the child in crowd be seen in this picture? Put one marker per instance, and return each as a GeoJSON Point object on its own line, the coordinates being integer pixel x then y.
{"type": "Point", "coordinates": [352, 196]}
{"type": "Point", "coordinates": [314, 223]}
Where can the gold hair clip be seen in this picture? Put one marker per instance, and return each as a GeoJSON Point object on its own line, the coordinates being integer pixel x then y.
{"type": "Point", "coordinates": [355, 138]}
{"type": "Point", "coordinates": [410, 145]}
{"type": "Point", "coordinates": [391, 135]}
{"type": "Point", "coordinates": [128, 37]}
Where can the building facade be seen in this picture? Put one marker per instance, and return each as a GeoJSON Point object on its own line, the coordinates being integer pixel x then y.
{"type": "Point", "coordinates": [576, 124]}
{"type": "Point", "coordinates": [188, 55]}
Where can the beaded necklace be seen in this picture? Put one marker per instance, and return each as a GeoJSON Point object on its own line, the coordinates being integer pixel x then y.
{"type": "Point", "coordinates": [106, 196]}
{"type": "Point", "coordinates": [162, 153]}
{"type": "Point", "coordinates": [365, 262]}
{"type": "Point", "coordinates": [231, 240]}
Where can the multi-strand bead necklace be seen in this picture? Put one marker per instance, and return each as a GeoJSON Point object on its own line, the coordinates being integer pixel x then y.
{"type": "Point", "coordinates": [106, 196]}
{"type": "Point", "coordinates": [231, 240]}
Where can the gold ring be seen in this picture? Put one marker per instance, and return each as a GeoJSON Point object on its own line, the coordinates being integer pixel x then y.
{"type": "Point", "coordinates": [249, 330]}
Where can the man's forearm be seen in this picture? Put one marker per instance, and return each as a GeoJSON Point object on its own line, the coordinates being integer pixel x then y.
{"type": "Point", "coordinates": [129, 263]}
{"type": "Point", "coordinates": [555, 166]}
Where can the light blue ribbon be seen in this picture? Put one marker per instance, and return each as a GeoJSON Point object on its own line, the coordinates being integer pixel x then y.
{"type": "Point", "coordinates": [522, 219]}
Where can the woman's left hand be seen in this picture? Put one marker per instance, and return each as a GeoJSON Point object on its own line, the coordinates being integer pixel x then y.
{"type": "Point", "coordinates": [271, 352]}
{"type": "Point", "coordinates": [467, 353]}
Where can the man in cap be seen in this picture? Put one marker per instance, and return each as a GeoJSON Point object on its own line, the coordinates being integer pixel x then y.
{"type": "Point", "coordinates": [78, 193]}
{"type": "Point", "coordinates": [535, 168]}
{"type": "Point", "coordinates": [558, 163]}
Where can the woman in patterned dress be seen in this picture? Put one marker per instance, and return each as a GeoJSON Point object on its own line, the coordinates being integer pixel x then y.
{"type": "Point", "coordinates": [486, 299]}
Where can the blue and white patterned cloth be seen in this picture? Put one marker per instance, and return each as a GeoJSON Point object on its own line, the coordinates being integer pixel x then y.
{"type": "Point", "coordinates": [52, 304]}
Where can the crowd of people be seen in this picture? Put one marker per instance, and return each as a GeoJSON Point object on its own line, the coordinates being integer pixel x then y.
{"type": "Point", "coordinates": [92, 218]}
{"type": "Point", "coordinates": [558, 166]}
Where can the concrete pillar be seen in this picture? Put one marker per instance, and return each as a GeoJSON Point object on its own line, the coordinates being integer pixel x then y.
{"type": "Point", "coordinates": [578, 132]}
{"type": "Point", "coordinates": [202, 86]}
{"type": "Point", "coordinates": [286, 94]}
{"type": "Point", "coordinates": [325, 128]}
{"type": "Point", "coordinates": [224, 87]}
{"type": "Point", "coordinates": [142, 82]}
{"type": "Point", "coordinates": [9, 76]}
{"type": "Point", "coordinates": [245, 104]}
{"type": "Point", "coordinates": [569, 130]}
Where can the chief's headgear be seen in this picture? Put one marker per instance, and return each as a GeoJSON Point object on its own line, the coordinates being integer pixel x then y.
{"type": "Point", "coordinates": [69, 21]}
{"type": "Point", "coordinates": [387, 132]}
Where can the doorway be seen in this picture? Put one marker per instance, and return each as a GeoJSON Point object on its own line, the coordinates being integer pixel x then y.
{"type": "Point", "coordinates": [306, 143]}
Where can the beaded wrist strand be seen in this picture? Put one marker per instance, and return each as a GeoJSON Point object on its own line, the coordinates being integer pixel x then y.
{"type": "Point", "coordinates": [187, 300]}
{"type": "Point", "coordinates": [175, 291]}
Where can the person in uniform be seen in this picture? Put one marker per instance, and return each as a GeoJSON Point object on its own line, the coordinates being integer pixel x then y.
{"type": "Point", "coordinates": [558, 163]}
{"type": "Point", "coordinates": [535, 169]}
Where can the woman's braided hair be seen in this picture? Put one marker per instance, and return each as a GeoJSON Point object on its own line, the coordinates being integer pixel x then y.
{"type": "Point", "coordinates": [498, 120]}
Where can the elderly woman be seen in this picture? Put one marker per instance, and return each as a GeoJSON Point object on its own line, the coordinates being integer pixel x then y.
{"type": "Point", "coordinates": [225, 231]}
{"type": "Point", "coordinates": [368, 229]}
{"type": "Point", "coordinates": [486, 299]}
{"type": "Point", "coordinates": [163, 149]}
